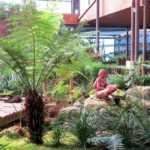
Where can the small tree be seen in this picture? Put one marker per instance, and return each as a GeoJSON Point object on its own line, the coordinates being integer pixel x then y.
{"type": "Point", "coordinates": [32, 49]}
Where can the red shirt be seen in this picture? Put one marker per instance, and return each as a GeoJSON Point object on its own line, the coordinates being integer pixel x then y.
{"type": "Point", "coordinates": [100, 84]}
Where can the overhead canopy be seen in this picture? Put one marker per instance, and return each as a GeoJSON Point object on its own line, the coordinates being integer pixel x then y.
{"type": "Point", "coordinates": [120, 19]}
{"type": "Point", "coordinates": [113, 13]}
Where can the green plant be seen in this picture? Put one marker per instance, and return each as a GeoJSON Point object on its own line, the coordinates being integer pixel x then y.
{"type": "Point", "coordinates": [7, 143]}
{"type": "Point", "coordinates": [131, 124]}
{"type": "Point", "coordinates": [57, 135]}
{"type": "Point", "coordinates": [130, 121]}
{"type": "Point", "coordinates": [32, 51]}
{"type": "Point", "coordinates": [81, 71]}
{"type": "Point", "coordinates": [142, 80]}
{"type": "Point", "coordinates": [3, 147]}
{"type": "Point", "coordinates": [121, 59]}
{"type": "Point", "coordinates": [60, 91]}
{"type": "Point", "coordinates": [58, 130]}
{"type": "Point", "coordinates": [113, 142]}
{"type": "Point", "coordinates": [118, 80]}
{"type": "Point", "coordinates": [82, 129]}
{"type": "Point", "coordinates": [10, 83]}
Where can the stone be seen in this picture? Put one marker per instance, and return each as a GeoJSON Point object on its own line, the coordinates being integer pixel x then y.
{"type": "Point", "coordinates": [14, 99]}
{"type": "Point", "coordinates": [90, 103]}
{"type": "Point", "coordinates": [70, 109]}
{"type": "Point", "coordinates": [77, 104]}
{"type": "Point", "coordinates": [139, 92]}
{"type": "Point", "coordinates": [146, 93]}
{"type": "Point", "coordinates": [93, 102]}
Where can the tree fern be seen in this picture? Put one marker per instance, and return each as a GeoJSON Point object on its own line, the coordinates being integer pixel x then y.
{"type": "Point", "coordinates": [33, 47]}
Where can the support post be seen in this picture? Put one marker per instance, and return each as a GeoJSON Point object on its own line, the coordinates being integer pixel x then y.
{"type": "Point", "coordinates": [97, 25]}
{"type": "Point", "coordinates": [132, 31]}
{"type": "Point", "coordinates": [137, 9]}
{"type": "Point", "coordinates": [127, 46]}
{"type": "Point", "coordinates": [144, 29]}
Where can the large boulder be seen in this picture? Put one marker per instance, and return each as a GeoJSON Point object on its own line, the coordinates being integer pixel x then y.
{"type": "Point", "coordinates": [70, 111]}
{"type": "Point", "coordinates": [93, 102]}
{"type": "Point", "coordinates": [139, 92]}
{"type": "Point", "coordinates": [75, 108]}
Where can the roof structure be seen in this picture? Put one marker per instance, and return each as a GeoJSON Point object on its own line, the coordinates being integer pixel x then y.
{"type": "Point", "coordinates": [71, 19]}
{"type": "Point", "coordinates": [113, 13]}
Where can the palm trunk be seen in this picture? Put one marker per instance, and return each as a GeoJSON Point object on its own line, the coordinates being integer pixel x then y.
{"type": "Point", "coordinates": [34, 108]}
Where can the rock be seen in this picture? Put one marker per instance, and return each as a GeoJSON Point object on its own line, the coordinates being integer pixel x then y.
{"type": "Point", "coordinates": [93, 102]}
{"type": "Point", "coordinates": [73, 110]}
{"type": "Point", "coordinates": [52, 109]}
{"type": "Point", "coordinates": [14, 99]}
{"type": "Point", "coordinates": [77, 104]}
{"type": "Point", "coordinates": [139, 92]}
{"type": "Point", "coordinates": [146, 93]}
{"type": "Point", "coordinates": [70, 109]}
{"type": "Point", "coordinates": [15, 130]}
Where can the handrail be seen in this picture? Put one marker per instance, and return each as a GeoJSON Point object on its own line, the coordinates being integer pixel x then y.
{"type": "Point", "coordinates": [87, 10]}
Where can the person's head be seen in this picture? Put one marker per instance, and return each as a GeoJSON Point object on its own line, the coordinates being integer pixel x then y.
{"type": "Point", "coordinates": [103, 73]}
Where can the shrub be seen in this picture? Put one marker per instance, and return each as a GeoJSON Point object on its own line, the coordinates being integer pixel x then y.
{"type": "Point", "coordinates": [9, 83]}
{"type": "Point", "coordinates": [118, 80]}
{"type": "Point", "coordinates": [58, 130]}
{"type": "Point", "coordinates": [131, 121]}
{"type": "Point", "coordinates": [60, 91]}
{"type": "Point", "coordinates": [110, 142]}
{"type": "Point", "coordinates": [82, 129]}
{"type": "Point", "coordinates": [142, 80]}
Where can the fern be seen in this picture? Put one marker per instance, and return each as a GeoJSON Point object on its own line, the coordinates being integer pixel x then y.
{"type": "Point", "coordinates": [113, 142]}
{"type": "Point", "coordinates": [35, 46]}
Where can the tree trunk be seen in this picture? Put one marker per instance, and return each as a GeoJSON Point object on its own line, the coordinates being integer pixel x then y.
{"type": "Point", "coordinates": [34, 109]}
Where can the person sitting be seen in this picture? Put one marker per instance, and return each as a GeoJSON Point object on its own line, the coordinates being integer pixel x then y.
{"type": "Point", "coordinates": [103, 89]}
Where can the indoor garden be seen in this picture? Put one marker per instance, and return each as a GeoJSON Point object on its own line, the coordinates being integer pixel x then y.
{"type": "Point", "coordinates": [57, 93]}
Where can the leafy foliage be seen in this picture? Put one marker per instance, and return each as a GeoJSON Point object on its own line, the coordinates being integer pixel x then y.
{"type": "Point", "coordinates": [82, 129]}
{"type": "Point", "coordinates": [130, 121]}
{"type": "Point", "coordinates": [60, 91]}
{"type": "Point", "coordinates": [113, 142]}
{"type": "Point", "coordinates": [7, 143]}
{"type": "Point", "coordinates": [25, 50]}
{"type": "Point", "coordinates": [10, 84]}
{"type": "Point", "coordinates": [118, 80]}
{"type": "Point", "coordinates": [34, 48]}
{"type": "Point", "coordinates": [28, 42]}
{"type": "Point", "coordinates": [58, 131]}
{"type": "Point", "coordinates": [143, 80]}
{"type": "Point", "coordinates": [81, 71]}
